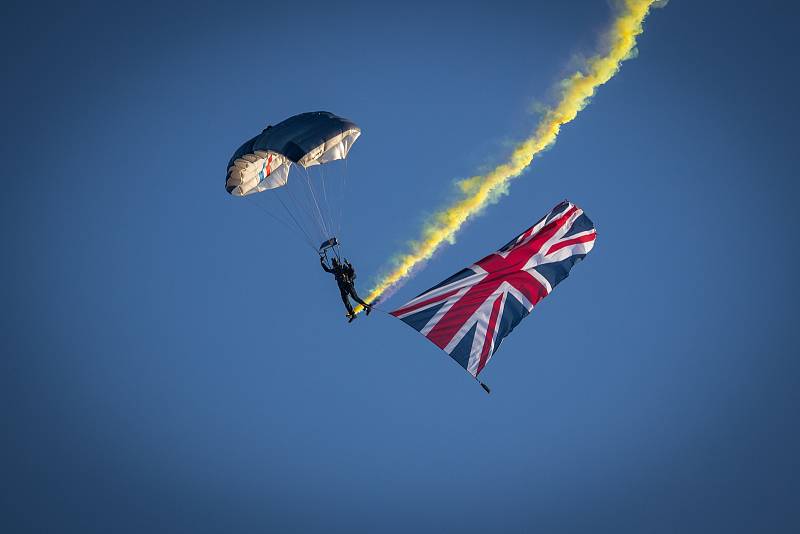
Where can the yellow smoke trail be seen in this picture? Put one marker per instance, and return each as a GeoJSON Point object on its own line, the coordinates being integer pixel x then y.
{"type": "Point", "coordinates": [478, 191]}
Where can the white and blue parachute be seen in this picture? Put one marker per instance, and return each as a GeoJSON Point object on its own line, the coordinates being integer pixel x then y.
{"type": "Point", "coordinates": [263, 164]}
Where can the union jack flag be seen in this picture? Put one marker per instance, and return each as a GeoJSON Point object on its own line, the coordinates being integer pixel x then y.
{"type": "Point", "coordinates": [470, 313]}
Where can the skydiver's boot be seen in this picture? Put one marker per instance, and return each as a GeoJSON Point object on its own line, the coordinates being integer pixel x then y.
{"type": "Point", "coordinates": [351, 317]}
{"type": "Point", "coordinates": [367, 307]}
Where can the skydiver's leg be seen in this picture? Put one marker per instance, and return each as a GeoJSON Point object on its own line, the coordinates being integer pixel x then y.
{"type": "Point", "coordinates": [358, 299]}
{"type": "Point", "coordinates": [343, 293]}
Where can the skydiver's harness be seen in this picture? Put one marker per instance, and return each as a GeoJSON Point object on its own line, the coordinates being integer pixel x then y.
{"type": "Point", "coordinates": [345, 275]}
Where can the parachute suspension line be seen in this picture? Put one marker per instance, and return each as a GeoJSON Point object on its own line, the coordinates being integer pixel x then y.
{"type": "Point", "coordinates": [314, 207]}
{"type": "Point", "coordinates": [342, 195]}
{"type": "Point", "coordinates": [331, 214]}
{"type": "Point", "coordinates": [305, 234]}
{"type": "Point", "coordinates": [316, 204]}
{"type": "Point", "coordinates": [266, 212]}
{"type": "Point", "coordinates": [321, 199]}
{"type": "Point", "coordinates": [300, 233]}
{"type": "Point", "coordinates": [302, 209]}
{"type": "Point", "coordinates": [327, 204]}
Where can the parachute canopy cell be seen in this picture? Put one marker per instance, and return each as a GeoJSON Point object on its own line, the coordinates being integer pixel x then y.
{"type": "Point", "coordinates": [307, 139]}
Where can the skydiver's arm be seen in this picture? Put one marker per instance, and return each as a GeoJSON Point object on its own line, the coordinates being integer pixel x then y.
{"type": "Point", "coordinates": [324, 267]}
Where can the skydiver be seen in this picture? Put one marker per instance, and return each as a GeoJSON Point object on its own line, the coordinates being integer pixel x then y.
{"type": "Point", "coordinates": [345, 275]}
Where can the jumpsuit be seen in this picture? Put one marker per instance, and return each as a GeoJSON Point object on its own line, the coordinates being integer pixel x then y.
{"type": "Point", "coordinates": [344, 274]}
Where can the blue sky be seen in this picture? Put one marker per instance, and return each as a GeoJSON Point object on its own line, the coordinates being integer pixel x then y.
{"type": "Point", "coordinates": [173, 361]}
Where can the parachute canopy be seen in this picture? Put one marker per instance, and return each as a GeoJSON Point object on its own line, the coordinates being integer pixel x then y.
{"type": "Point", "coordinates": [307, 139]}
